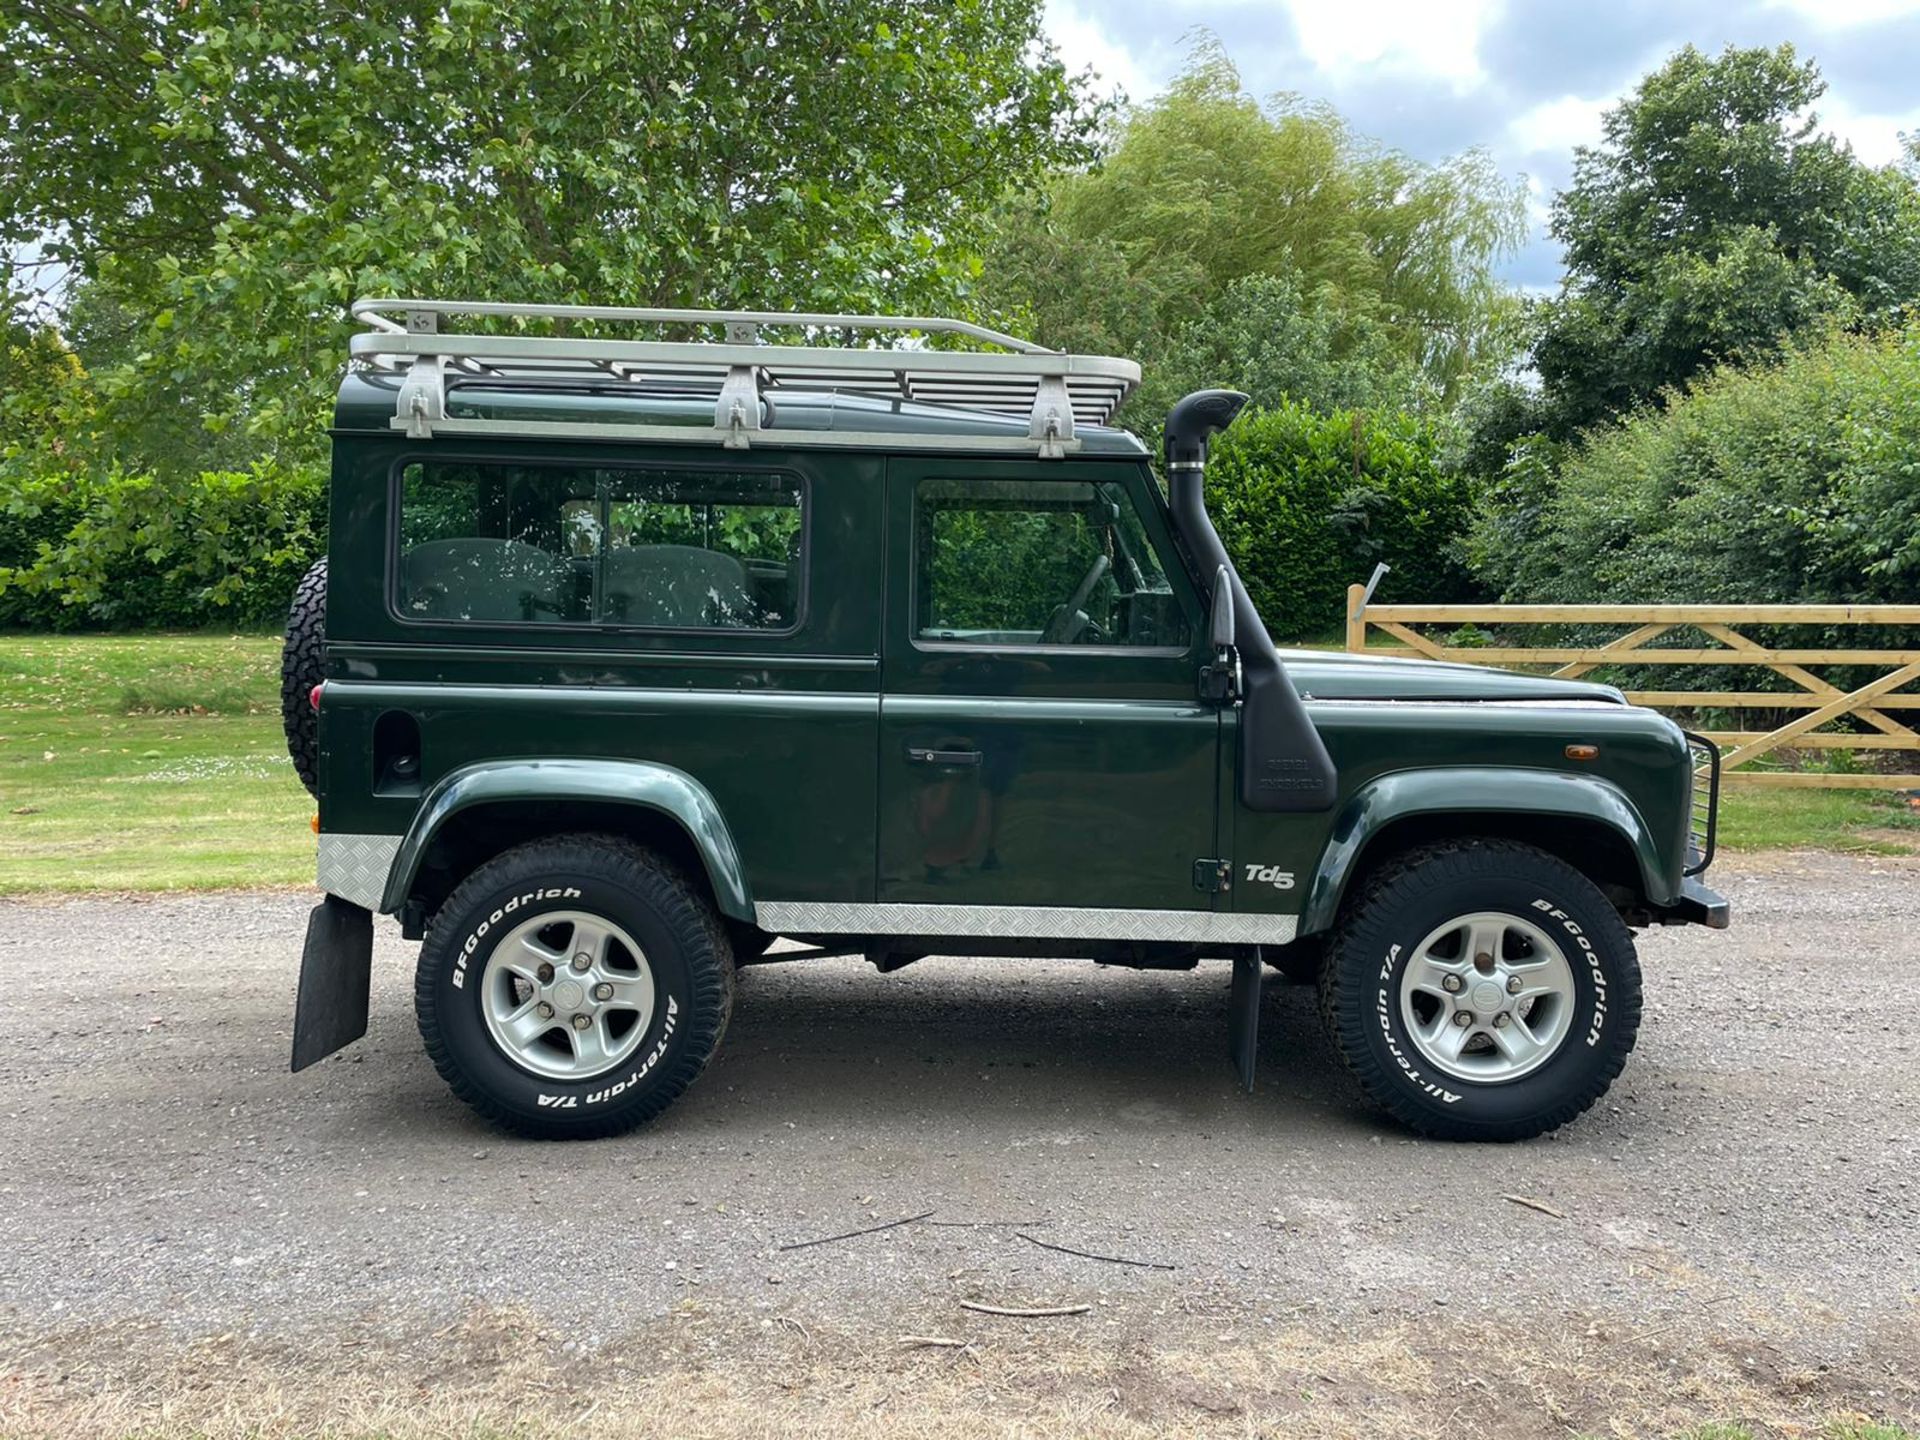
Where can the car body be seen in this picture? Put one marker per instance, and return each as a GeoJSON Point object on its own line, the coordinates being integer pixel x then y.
{"type": "Point", "coordinates": [853, 676]}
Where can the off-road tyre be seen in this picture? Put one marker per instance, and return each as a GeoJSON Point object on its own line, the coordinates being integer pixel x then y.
{"type": "Point", "coordinates": [1398, 906]}
{"type": "Point", "coordinates": [684, 943]}
{"type": "Point", "coordinates": [302, 666]}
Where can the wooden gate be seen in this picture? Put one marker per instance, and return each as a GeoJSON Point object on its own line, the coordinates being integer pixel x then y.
{"type": "Point", "coordinates": [1869, 716]}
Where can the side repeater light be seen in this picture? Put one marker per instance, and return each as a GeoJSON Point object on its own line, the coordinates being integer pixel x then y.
{"type": "Point", "coordinates": [1583, 752]}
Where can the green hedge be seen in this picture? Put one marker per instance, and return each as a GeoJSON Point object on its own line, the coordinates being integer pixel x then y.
{"type": "Point", "coordinates": [1794, 482]}
{"type": "Point", "coordinates": [1307, 504]}
{"type": "Point", "coordinates": [128, 552]}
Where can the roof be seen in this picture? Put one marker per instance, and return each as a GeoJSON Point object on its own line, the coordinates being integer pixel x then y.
{"type": "Point", "coordinates": [893, 392]}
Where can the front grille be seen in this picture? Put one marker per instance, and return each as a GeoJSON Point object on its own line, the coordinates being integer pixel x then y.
{"type": "Point", "coordinates": [1705, 802]}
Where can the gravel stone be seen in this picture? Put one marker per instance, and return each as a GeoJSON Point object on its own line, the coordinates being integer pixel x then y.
{"type": "Point", "coordinates": [1759, 1151]}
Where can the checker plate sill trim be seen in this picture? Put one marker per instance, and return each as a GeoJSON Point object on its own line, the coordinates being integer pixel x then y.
{"type": "Point", "coordinates": [1022, 922]}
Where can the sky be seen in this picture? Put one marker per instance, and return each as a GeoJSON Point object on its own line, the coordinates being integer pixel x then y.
{"type": "Point", "coordinates": [1526, 80]}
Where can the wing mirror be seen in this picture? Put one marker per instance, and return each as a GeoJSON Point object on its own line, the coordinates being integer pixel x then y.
{"type": "Point", "coordinates": [1221, 630]}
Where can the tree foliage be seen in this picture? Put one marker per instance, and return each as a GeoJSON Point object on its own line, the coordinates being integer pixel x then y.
{"type": "Point", "coordinates": [1267, 337]}
{"type": "Point", "coordinates": [1792, 482]}
{"type": "Point", "coordinates": [1714, 223]}
{"type": "Point", "coordinates": [43, 388]}
{"type": "Point", "coordinates": [113, 550]}
{"type": "Point", "coordinates": [1205, 188]}
{"type": "Point", "coordinates": [231, 175]}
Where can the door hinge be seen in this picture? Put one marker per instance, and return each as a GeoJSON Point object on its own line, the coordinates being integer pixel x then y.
{"type": "Point", "coordinates": [1212, 876]}
{"type": "Point", "coordinates": [1220, 678]}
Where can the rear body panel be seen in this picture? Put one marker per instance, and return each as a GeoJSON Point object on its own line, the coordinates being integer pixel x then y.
{"type": "Point", "coordinates": [781, 729]}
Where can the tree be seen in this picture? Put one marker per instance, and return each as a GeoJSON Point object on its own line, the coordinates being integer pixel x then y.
{"type": "Point", "coordinates": [1205, 187]}
{"type": "Point", "coordinates": [43, 388]}
{"type": "Point", "coordinates": [1715, 223]}
{"type": "Point", "coordinates": [232, 174]}
{"type": "Point", "coordinates": [1791, 482]}
{"type": "Point", "coordinates": [1266, 336]}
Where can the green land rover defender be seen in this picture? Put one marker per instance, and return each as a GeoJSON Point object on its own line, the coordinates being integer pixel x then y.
{"type": "Point", "coordinates": [635, 655]}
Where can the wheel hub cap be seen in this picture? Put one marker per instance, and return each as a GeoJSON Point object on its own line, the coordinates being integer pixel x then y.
{"type": "Point", "coordinates": [542, 1005]}
{"type": "Point", "coordinates": [1487, 997]}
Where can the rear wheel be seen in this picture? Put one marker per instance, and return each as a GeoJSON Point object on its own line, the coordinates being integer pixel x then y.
{"type": "Point", "coordinates": [1482, 990]}
{"type": "Point", "coordinates": [573, 988]}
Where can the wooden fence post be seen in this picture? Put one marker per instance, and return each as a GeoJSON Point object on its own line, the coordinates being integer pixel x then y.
{"type": "Point", "coordinates": [1356, 622]}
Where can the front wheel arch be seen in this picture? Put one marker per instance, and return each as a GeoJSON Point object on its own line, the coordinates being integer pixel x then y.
{"type": "Point", "coordinates": [1594, 828]}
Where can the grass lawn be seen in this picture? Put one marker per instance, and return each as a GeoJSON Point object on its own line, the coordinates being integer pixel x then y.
{"type": "Point", "coordinates": [155, 762]}
{"type": "Point", "coordinates": [146, 762]}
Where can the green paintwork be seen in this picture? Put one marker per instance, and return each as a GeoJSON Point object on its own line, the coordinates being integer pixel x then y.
{"type": "Point", "coordinates": [785, 756]}
{"type": "Point", "coordinates": [1095, 784]}
{"type": "Point", "coordinates": [1318, 675]}
{"type": "Point", "coordinates": [1478, 790]}
{"type": "Point", "coordinates": [647, 785]}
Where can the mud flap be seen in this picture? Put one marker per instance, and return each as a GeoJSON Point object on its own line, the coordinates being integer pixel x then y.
{"type": "Point", "coordinates": [336, 975]}
{"type": "Point", "coordinates": [1243, 1016]}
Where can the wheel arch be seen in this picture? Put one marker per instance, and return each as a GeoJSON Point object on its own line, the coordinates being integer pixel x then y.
{"type": "Point", "coordinates": [1589, 823]}
{"type": "Point", "coordinates": [477, 812]}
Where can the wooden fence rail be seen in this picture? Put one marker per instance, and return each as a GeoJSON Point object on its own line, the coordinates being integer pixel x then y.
{"type": "Point", "coordinates": [1832, 720]}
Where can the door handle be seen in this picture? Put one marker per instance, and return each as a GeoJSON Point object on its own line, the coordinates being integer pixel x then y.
{"type": "Point", "coordinates": [954, 758]}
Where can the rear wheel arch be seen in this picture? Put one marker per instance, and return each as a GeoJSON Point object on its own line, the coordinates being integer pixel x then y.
{"type": "Point", "coordinates": [474, 816]}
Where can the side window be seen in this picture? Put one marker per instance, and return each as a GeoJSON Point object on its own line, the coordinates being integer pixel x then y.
{"type": "Point", "coordinates": [1043, 562]}
{"type": "Point", "coordinates": [698, 550]}
{"type": "Point", "coordinates": [500, 543]}
{"type": "Point", "coordinates": [664, 549]}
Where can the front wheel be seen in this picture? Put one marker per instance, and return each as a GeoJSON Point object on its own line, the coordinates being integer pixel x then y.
{"type": "Point", "coordinates": [573, 988]}
{"type": "Point", "coordinates": [1482, 990]}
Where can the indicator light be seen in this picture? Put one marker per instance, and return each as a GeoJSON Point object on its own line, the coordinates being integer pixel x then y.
{"type": "Point", "coordinates": [1583, 752]}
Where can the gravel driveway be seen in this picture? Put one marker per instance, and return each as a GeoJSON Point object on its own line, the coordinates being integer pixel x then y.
{"type": "Point", "coordinates": [1755, 1172]}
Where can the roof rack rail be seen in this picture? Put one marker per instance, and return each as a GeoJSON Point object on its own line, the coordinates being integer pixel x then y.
{"type": "Point", "coordinates": [1054, 392]}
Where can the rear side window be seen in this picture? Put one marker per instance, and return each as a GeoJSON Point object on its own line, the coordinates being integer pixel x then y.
{"type": "Point", "coordinates": [651, 549]}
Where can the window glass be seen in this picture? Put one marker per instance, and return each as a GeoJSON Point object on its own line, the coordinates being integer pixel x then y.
{"type": "Point", "coordinates": [502, 543]}
{"type": "Point", "coordinates": [664, 549]}
{"type": "Point", "coordinates": [695, 549]}
{"type": "Point", "coordinates": [1045, 562]}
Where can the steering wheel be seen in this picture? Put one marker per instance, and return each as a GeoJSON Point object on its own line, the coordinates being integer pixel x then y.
{"type": "Point", "coordinates": [1070, 621]}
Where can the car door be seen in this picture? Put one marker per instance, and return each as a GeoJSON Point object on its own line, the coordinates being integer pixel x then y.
{"type": "Point", "coordinates": [1041, 739]}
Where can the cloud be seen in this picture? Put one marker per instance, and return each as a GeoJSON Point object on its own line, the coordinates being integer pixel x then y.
{"type": "Point", "coordinates": [1846, 14]}
{"type": "Point", "coordinates": [1433, 38]}
{"type": "Point", "coordinates": [1555, 126]}
{"type": "Point", "coordinates": [1086, 44]}
{"type": "Point", "coordinates": [1875, 137]}
{"type": "Point", "coordinates": [1525, 80]}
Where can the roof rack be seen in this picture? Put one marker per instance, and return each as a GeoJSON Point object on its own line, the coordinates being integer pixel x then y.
{"type": "Point", "coordinates": [1053, 392]}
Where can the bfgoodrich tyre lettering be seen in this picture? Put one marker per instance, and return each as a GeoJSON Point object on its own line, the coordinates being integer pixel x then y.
{"type": "Point", "coordinates": [575, 918]}
{"type": "Point", "coordinates": [1481, 990]}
